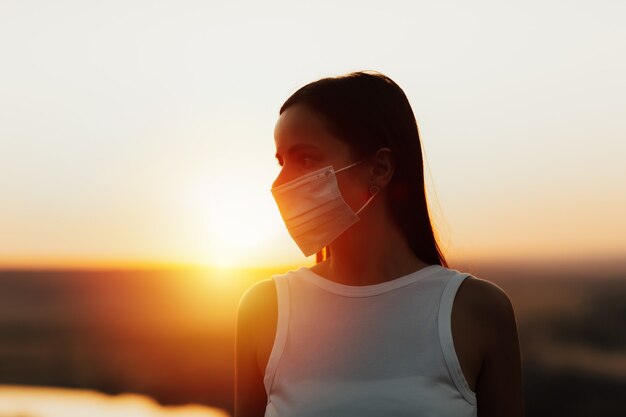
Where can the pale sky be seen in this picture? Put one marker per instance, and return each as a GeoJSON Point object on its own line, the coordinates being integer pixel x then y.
{"type": "Point", "coordinates": [142, 131]}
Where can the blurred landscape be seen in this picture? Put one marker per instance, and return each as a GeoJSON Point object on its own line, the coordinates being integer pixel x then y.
{"type": "Point", "coordinates": [165, 338]}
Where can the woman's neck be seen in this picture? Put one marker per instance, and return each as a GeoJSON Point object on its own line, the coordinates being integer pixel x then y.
{"type": "Point", "coordinates": [369, 252]}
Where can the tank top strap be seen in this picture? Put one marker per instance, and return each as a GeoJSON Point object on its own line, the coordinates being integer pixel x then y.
{"type": "Point", "coordinates": [444, 324]}
{"type": "Point", "coordinates": [282, 297]}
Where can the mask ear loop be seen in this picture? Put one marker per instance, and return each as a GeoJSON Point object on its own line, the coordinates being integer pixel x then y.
{"type": "Point", "coordinates": [374, 190]}
{"type": "Point", "coordinates": [349, 166]}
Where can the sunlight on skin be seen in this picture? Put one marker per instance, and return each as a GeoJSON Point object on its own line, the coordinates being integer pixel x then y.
{"type": "Point", "coordinates": [61, 402]}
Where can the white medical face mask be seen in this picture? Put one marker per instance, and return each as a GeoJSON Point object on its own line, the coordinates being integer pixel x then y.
{"type": "Point", "coordinates": [314, 210]}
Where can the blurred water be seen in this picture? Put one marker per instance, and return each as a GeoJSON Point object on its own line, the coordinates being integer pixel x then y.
{"type": "Point", "coordinates": [23, 401]}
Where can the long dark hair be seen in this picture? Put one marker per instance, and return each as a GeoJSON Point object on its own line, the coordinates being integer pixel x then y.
{"type": "Point", "coordinates": [367, 110]}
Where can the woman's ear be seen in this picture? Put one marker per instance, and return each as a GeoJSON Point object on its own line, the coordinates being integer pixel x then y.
{"type": "Point", "coordinates": [383, 167]}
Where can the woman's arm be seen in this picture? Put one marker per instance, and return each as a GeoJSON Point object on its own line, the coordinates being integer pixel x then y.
{"type": "Point", "coordinates": [499, 389]}
{"type": "Point", "coordinates": [250, 396]}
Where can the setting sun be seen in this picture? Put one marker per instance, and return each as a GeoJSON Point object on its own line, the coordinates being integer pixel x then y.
{"type": "Point", "coordinates": [238, 216]}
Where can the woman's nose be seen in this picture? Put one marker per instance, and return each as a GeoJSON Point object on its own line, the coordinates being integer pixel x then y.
{"type": "Point", "coordinates": [284, 176]}
{"type": "Point", "coordinates": [279, 180]}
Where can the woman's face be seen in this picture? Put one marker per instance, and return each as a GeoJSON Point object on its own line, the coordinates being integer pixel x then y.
{"type": "Point", "coordinates": [303, 145]}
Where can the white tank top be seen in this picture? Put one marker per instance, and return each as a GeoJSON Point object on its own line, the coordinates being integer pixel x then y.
{"type": "Point", "coordinates": [373, 350]}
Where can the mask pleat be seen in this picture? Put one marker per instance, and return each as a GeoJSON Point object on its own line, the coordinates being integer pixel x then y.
{"type": "Point", "coordinates": [320, 220]}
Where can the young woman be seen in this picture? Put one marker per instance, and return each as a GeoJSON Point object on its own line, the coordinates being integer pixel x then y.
{"type": "Point", "coordinates": [379, 326]}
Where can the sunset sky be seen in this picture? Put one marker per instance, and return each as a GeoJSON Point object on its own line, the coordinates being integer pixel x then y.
{"type": "Point", "coordinates": [140, 132]}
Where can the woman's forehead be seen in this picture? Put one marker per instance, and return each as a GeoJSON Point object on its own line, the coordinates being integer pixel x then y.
{"type": "Point", "coordinates": [299, 120]}
{"type": "Point", "coordinates": [298, 126]}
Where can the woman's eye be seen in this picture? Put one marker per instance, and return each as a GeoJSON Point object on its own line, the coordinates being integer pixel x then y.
{"type": "Point", "coordinates": [305, 161]}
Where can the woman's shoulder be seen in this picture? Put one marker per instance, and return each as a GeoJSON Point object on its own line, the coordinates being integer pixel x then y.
{"type": "Point", "coordinates": [262, 296]}
{"type": "Point", "coordinates": [482, 297]}
{"type": "Point", "coordinates": [488, 308]}
{"type": "Point", "coordinates": [258, 297]}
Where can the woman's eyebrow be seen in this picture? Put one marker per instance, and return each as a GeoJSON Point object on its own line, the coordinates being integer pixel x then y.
{"type": "Point", "coordinates": [298, 147]}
